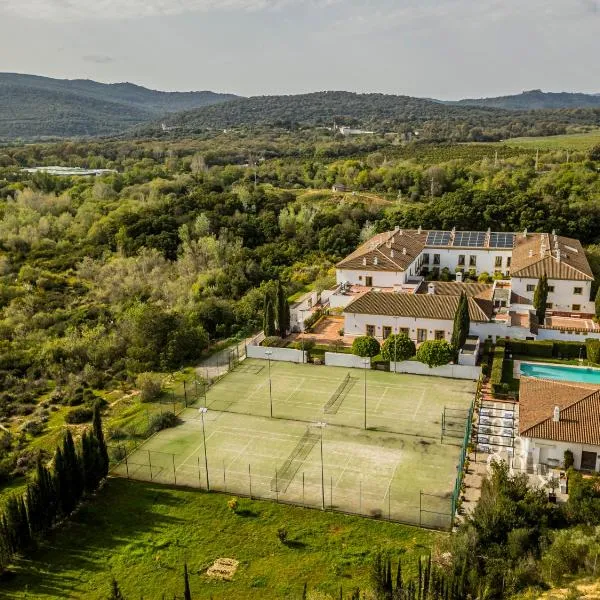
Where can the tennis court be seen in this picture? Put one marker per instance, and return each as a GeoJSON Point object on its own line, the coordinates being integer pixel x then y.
{"type": "Point", "coordinates": [315, 451]}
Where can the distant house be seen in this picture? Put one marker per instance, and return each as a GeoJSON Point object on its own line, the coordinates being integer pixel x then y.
{"type": "Point", "coordinates": [340, 187]}
{"type": "Point", "coordinates": [555, 416]}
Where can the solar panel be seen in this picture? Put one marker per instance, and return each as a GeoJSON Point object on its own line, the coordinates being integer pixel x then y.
{"type": "Point", "coordinates": [438, 238]}
{"type": "Point", "coordinates": [502, 240]}
{"type": "Point", "coordinates": [469, 239]}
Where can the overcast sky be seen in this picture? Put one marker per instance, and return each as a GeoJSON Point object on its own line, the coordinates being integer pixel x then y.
{"type": "Point", "coordinates": [431, 48]}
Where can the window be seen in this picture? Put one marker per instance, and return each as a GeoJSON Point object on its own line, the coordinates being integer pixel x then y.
{"type": "Point", "coordinates": [588, 461]}
{"type": "Point", "coordinates": [498, 263]}
{"type": "Point", "coordinates": [530, 287]}
{"type": "Point", "coordinates": [508, 259]}
{"type": "Point", "coordinates": [576, 307]}
{"type": "Point", "coordinates": [360, 277]}
{"type": "Point", "coordinates": [440, 335]}
{"type": "Point", "coordinates": [421, 335]}
{"type": "Point", "coordinates": [425, 259]}
{"type": "Point", "coordinates": [404, 331]}
{"type": "Point", "coordinates": [371, 330]}
{"type": "Point", "coordinates": [550, 289]}
{"type": "Point", "coordinates": [472, 260]}
{"type": "Point", "coordinates": [387, 331]}
{"type": "Point", "coordinates": [578, 291]}
{"type": "Point", "coordinates": [549, 305]}
{"type": "Point", "coordinates": [436, 259]}
{"type": "Point", "coordinates": [368, 281]}
{"type": "Point", "coordinates": [461, 260]}
{"type": "Point", "coordinates": [310, 303]}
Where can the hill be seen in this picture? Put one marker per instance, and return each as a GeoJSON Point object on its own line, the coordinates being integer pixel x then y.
{"type": "Point", "coordinates": [381, 113]}
{"type": "Point", "coordinates": [535, 100]}
{"type": "Point", "coordinates": [33, 106]}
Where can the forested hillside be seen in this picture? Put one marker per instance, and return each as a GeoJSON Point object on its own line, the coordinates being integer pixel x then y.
{"type": "Point", "coordinates": [536, 100]}
{"type": "Point", "coordinates": [32, 106]}
{"type": "Point", "coordinates": [434, 121]}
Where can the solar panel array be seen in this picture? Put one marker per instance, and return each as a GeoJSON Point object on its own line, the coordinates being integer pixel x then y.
{"type": "Point", "coordinates": [502, 240]}
{"type": "Point", "coordinates": [438, 238]}
{"type": "Point", "coordinates": [469, 239]}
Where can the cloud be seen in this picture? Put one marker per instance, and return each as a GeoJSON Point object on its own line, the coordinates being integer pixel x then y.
{"type": "Point", "coordinates": [99, 59]}
{"type": "Point", "coordinates": [69, 10]}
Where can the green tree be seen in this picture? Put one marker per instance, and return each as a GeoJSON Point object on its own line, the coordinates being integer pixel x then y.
{"type": "Point", "coordinates": [462, 324]}
{"type": "Point", "coordinates": [540, 298]}
{"type": "Point", "coordinates": [269, 318]}
{"type": "Point", "coordinates": [398, 347]}
{"type": "Point", "coordinates": [365, 346]}
{"type": "Point", "coordinates": [102, 450]}
{"type": "Point", "coordinates": [282, 309]}
{"type": "Point", "coordinates": [597, 304]}
{"type": "Point", "coordinates": [435, 353]}
{"type": "Point", "coordinates": [187, 594]}
{"type": "Point", "coordinates": [115, 592]}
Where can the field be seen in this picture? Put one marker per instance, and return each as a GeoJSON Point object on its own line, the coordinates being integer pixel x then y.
{"type": "Point", "coordinates": [575, 141]}
{"type": "Point", "coordinates": [142, 533]}
{"type": "Point", "coordinates": [315, 450]}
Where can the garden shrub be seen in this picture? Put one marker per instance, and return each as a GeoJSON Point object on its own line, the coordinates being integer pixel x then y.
{"type": "Point", "coordinates": [569, 350]}
{"type": "Point", "coordinates": [435, 353]}
{"type": "Point", "coordinates": [592, 347]}
{"type": "Point", "coordinates": [365, 346]}
{"type": "Point", "coordinates": [310, 322]}
{"type": "Point", "coordinates": [150, 386]}
{"type": "Point", "coordinates": [79, 415]}
{"type": "Point", "coordinates": [497, 366]}
{"type": "Point", "coordinates": [273, 341]}
{"type": "Point", "coordinates": [398, 347]}
{"type": "Point", "coordinates": [543, 349]}
{"type": "Point", "coordinates": [163, 421]}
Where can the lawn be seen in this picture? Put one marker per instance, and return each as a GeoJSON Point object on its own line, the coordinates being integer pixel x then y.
{"type": "Point", "coordinates": [142, 533]}
{"type": "Point", "coordinates": [574, 141]}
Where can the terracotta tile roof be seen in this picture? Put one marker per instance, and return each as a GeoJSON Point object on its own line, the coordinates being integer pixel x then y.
{"type": "Point", "coordinates": [579, 411]}
{"type": "Point", "coordinates": [558, 257]}
{"type": "Point", "coordinates": [454, 288]}
{"type": "Point", "coordinates": [425, 306]}
{"type": "Point", "coordinates": [389, 251]}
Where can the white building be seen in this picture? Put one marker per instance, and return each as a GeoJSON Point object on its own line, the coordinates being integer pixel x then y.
{"type": "Point", "coordinates": [556, 416]}
{"type": "Point", "coordinates": [383, 290]}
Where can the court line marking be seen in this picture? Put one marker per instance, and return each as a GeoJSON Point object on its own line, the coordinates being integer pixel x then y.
{"type": "Point", "coordinates": [418, 405]}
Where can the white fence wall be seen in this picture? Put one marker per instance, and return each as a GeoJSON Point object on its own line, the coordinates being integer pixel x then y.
{"type": "Point", "coordinates": [567, 336]}
{"type": "Point", "coordinates": [280, 354]}
{"type": "Point", "coordinates": [453, 371]}
{"type": "Point", "coordinates": [338, 359]}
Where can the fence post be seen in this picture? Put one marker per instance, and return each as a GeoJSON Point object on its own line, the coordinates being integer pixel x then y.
{"type": "Point", "coordinates": [199, 474]}
{"type": "Point", "coordinates": [276, 488]}
{"type": "Point", "coordinates": [184, 393]}
{"type": "Point", "coordinates": [420, 506]}
{"type": "Point", "coordinates": [303, 502]}
{"type": "Point", "coordinates": [174, 471]}
{"type": "Point", "coordinates": [390, 502]}
{"type": "Point", "coordinates": [331, 492]}
{"type": "Point", "coordinates": [360, 497]}
{"type": "Point", "coordinates": [224, 481]}
{"type": "Point", "coordinates": [196, 387]}
{"type": "Point", "coordinates": [250, 481]}
{"type": "Point", "coordinates": [150, 464]}
{"type": "Point", "coordinates": [126, 466]}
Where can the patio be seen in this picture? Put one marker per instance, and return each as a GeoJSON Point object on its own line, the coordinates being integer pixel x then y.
{"type": "Point", "coordinates": [325, 332]}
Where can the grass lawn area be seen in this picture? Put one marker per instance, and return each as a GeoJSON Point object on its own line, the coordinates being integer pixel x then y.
{"type": "Point", "coordinates": [574, 141]}
{"type": "Point", "coordinates": [142, 533]}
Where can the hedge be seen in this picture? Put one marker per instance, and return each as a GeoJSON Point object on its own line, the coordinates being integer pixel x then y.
{"type": "Point", "coordinates": [593, 350]}
{"type": "Point", "coordinates": [497, 366]}
{"type": "Point", "coordinates": [546, 348]}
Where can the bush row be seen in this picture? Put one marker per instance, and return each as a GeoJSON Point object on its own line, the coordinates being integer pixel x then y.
{"type": "Point", "coordinates": [545, 348]}
{"type": "Point", "coordinates": [497, 365]}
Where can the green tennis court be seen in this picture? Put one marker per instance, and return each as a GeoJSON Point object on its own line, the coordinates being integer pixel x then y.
{"type": "Point", "coordinates": [311, 457]}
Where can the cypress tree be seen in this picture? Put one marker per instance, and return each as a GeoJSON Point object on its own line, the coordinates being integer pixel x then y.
{"type": "Point", "coordinates": [282, 309]}
{"type": "Point", "coordinates": [115, 592]}
{"type": "Point", "coordinates": [90, 460]}
{"type": "Point", "coordinates": [46, 495]}
{"type": "Point", "coordinates": [10, 524]}
{"type": "Point", "coordinates": [597, 304]}
{"type": "Point", "coordinates": [304, 590]}
{"type": "Point", "coordinates": [102, 450]}
{"type": "Point", "coordinates": [462, 324]}
{"type": "Point", "coordinates": [187, 595]}
{"type": "Point", "coordinates": [268, 318]}
{"type": "Point", "coordinates": [73, 467]}
{"type": "Point", "coordinates": [540, 298]}
{"type": "Point", "coordinates": [61, 484]}
{"type": "Point", "coordinates": [399, 579]}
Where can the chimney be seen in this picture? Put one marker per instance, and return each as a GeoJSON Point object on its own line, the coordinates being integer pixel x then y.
{"type": "Point", "coordinates": [459, 276]}
{"type": "Point", "coordinates": [431, 288]}
{"type": "Point", "coordinates": [375, 261]}
{"type": "Point", "coordinates": [558, 255]}
{"type": "Point", "coordinates": [397, 228]}
{"type": "Point", "coordinates": [556, 415]}
{"type": "Point", "coordinates": [419, 230]}
{"type": "Point", "coordinates": [392, 254]}
{"type": "Point", "coordinates": [364, 262]}
{"type": "Point", "coordinates": [530, 253]}
{"type": "Point", "coordinates": [554, 232]}
{"type": "Point", "coordinates": [525, 232]}
{"type": "Point", "coordinates": [404, 251]}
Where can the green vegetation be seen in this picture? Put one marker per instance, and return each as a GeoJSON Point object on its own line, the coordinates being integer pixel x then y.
{"type": "Point", "coordinates": [573, 141]}
{"type": "Point", "coordinates": [497, 369]}
{"type": "Point", "coordinates": [141, 534]}
{"type": "Point", "coordinates": [365, 346]}
{"type": "Point", "coordinates": [398, 347]}
{"type": "Point", "coordinates": [540, 299]}
{"type": "Point", "coordinates": [435, 353]}
{"type": "Point", "coordinates": [462, 324]}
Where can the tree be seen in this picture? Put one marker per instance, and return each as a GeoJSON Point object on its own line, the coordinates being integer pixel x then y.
{"type": "Point", "coordinates": [365, 346]}
{"type": "Point", "coordinates": [269, 318]}
{"type": "Point", "coordinates": [282, 309]}
{"type": "Point", "coordinates": [99, 435]}
{"type": "Point", "coordinates": [187, 594]}
{"type": "Point", "coordinates": [540, 298]}
{"type": "Point", "coordinates": [435, 353]}
{"type": "Point", "coordinates": [115, 592]}
{"type": "Point", "coordinates": [462, 324]}
{"type": "Point", "coordinates": [597, 304]}
{"type": "Point", "coordinates": [398, 347]}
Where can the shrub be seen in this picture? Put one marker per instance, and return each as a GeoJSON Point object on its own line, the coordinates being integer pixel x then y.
{"type": "Point", "coordinates": [593, 350]}
{"type": "Point", "coordinates": [398, 347]}
{"type": "Point", "coordinates": [543, 349]}
{"type": "Point", "coordinates": [569, 350]}
{"type": "Point", "coordinates": [163, 421]}
{"type": "Point", "coordinates": [282, 534]}
{"type": "Point", "coordinates": [150, 386]}
{"type": "Point", "coordinates": [233, 504]}
{"type": "Point", "coordinates": [310, 322]}
{"type": "Point", "coordinates": [497, 366]}
{"type": "Point", "coordinates": [79, 415]}
{"type": "Point", "coordinates": [435, 353]}
{"type": "Point", "coordinates": [365, 346]}
{"type": "Point", "coordinates": [569, 460]}
{"type": "Point", "coordinates": [34, 427]}
{"type": "Point", "coordinates": [273, 341]}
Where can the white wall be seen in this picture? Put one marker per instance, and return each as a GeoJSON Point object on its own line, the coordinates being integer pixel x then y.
{"type": "Point", "coordinates": [452, 371]}
{"type": "Point", "coordinates": [380, 278]}
{"type": "Point", "coordinates": [556, 450]}
{"type": "Point", "coordinates": [301, 310]}
{"type": "Point", "coordinates": [339, 359]}
{"type": "Point", "coordinates": [555, 334]}
{"type": "Point", "coordinates": [485, 259]}
{"type": "Point", "coordinates": [562, 297]}
{"type": "Point", "coordinates": [279, 354]}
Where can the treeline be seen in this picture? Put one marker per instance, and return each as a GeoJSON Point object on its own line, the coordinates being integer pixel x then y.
{"type": "Point", "coordinates": [54, 493]}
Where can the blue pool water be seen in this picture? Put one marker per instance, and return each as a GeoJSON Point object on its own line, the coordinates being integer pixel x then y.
{"type": "Point", "coordinates": [581, 374]}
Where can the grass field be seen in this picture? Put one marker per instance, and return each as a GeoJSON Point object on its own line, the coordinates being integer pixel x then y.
{"type": "Point", "coordinates": [142, 533]}
{"type": "Point", "coordinates": [575, 141]}
{"type": "Point", "coordinates": [378, 471]}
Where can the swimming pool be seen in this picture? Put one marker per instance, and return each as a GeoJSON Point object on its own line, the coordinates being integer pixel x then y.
{"type": "Point", "coordinates": [580, 374]}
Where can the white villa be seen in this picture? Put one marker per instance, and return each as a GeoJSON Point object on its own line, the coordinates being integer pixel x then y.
{"type": "Point", "coordinates": [382, 285]}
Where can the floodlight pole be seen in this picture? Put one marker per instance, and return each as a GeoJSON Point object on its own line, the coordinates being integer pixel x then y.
{"type": "Point", "coordinates": [268, 353]}
{"type": "Point", "coordinates": [366, 363]}
{"type": "Point", "coordinates": [203, 410]}
{"type": "Point", "coordinates": [322, 426]}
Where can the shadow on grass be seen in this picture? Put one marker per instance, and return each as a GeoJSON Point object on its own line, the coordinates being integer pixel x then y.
{"type": "Point", "coordinates": [246, 512]}
{"type": "Point", "coordinates": [121, 513]}
{"type": "Point", "coordinates": [295, 544]}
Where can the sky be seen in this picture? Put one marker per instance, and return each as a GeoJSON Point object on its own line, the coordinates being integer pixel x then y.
{"type": "Point", "coordinates": [445, 49]}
